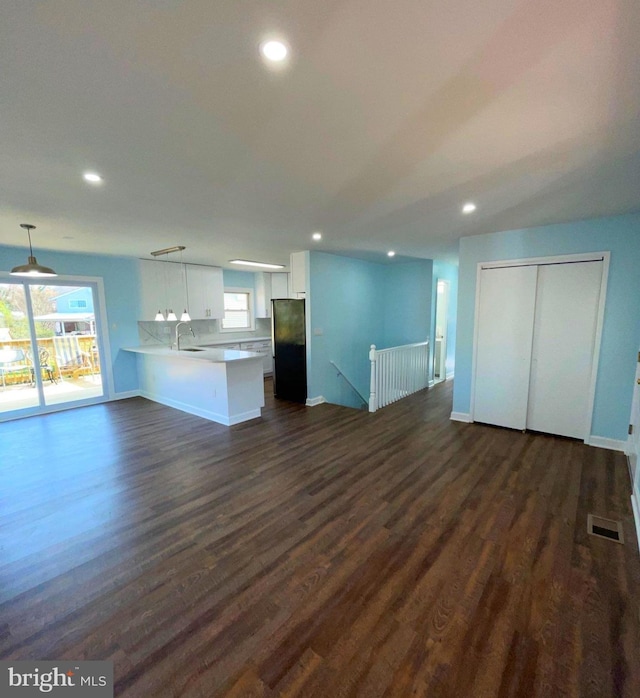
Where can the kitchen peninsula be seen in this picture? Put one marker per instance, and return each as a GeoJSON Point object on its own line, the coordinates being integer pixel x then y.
{"type": "Point", "coordinates": [223, 385]}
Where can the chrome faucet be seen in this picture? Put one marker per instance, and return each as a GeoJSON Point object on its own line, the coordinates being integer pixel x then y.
{"type": "Point", "coordinates": [178, 335]}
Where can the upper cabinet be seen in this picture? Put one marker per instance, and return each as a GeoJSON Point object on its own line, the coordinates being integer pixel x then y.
{"type": "Point", "coordinates": [263, 294]}
{"type": "Point", "coordinates": [206, 292]}
{"type": "Point", "coordinates": [173, 286]}
{"type": "Point", "coordinates": [279, 285]}
{"type": "Point", "coordinates": [271, 285]}
{"type": "Point", "coordinates": [299, 262]}
{"type": "Point", "coordinates": [162, 288]}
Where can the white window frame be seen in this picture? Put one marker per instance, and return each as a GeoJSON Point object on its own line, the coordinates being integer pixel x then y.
{"type": "Point", "coordinates": [252, 318]}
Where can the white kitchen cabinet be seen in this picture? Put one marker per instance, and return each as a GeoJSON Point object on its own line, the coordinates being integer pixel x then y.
{"type": "Point", "coordinates": [161, 288]}
{"type": "Point", "coordinates": [263, 294]}
{"type": "Point", "coordinates": [280, 285]}
{"type": "Point", "coordinates": [298, 263]}
{"type": "Point", "coordinates": [261, 347]}
{"type": "Point", "coordinates": [206, 292]}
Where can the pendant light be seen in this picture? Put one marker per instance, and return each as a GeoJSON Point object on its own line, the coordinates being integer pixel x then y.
{"type": "Point", "coordinates": [185, 317]}
{"type": "Point", "coordinates": [32, 268]}
{"type": "Point", "coordinates": [163, 281]}
{"type": "Point", "coordinates": [171, 316]}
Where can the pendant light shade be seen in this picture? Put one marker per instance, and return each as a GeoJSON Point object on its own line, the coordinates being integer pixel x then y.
{"type": "Point", "coordinates": [31, 268]}
{"type": "Point", "coordinates": [169, 315]}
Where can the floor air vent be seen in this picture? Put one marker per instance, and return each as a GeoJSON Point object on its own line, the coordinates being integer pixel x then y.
{"type": "Point", "coordinates": [605, 528]}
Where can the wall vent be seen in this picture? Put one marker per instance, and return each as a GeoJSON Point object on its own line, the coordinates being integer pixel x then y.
{"type": "Point", "coordinates": [605, 528]}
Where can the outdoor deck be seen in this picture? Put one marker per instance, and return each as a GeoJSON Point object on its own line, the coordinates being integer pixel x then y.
{"type": "Point", "coordinates": [18, 391]}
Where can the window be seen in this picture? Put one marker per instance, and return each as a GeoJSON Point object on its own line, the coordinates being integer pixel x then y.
{"type": "Point", "coordinates": [78, 304]}
{"type": "Point", "coordinates": [237, 310]}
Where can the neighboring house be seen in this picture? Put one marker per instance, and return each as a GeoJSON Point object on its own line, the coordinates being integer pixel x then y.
{"type": "Point", "coordinates": [77, 300]}
{"type": "Point", "coordinates": [74, 312]}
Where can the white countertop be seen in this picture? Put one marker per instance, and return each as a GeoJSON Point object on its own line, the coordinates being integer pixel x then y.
{"type": "Point", "coordinates": [218, 356]}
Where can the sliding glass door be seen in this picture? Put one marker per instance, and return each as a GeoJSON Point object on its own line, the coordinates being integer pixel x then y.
{"type": "Point", "coordinates": [17, 388]}
{"type": "Point", "coordinates": [49, 346]}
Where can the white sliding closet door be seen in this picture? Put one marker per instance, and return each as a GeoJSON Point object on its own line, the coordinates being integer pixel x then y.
{"type": "Point", "coordinates": [503, 349]}
{"type": "Point", "coordinates": [563, 344]}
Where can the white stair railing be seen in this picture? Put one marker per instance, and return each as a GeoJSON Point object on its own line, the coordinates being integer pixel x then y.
{"type": "Point", "coordinates": [397, 372]}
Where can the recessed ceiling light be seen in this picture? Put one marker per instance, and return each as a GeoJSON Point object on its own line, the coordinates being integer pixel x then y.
{"type": "Point", "coordinates": [249, 263]}
{"type": "Point", "coordinates": [391, 253]}
{"type": "Point", "coordinates": [469, 207]}
{"type": "Point", "coordinates": [317, 236]}
{"type": "Point", "coordinates": [92, 177]}
{"type": "Point", "coordinates": [274, 51]}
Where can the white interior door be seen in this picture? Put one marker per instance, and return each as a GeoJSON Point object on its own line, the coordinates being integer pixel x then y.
{"type": "Point", "coordinates": [566, 316]}
{"type": "Point", "coordinates": [442, 318]}
{"type": "Point", "coordinates": [505, 321]}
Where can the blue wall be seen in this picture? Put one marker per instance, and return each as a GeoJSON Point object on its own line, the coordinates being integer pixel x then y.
{"type": "Point", "coordinates": [621, 331]}
{"type": "Point", "coordinates": [447, 272]}
{"type": "Point", "coordinates": [407, 302]}
{"type": "Point", "coordinates": [235, 278]}
{"type": "Point", "coordinates": [121, 288]}
{"type": "Point", "coordinates": [356, 304]}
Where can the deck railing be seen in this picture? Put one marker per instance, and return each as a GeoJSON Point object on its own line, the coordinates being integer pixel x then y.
{"type": "Point", "coordinates": [397, 372]}
{"type": "Point", "coordinates": [87, 343]}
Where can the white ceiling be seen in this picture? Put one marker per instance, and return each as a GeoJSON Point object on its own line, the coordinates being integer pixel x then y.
{"type": "Point", "coordinates": [389, 115]}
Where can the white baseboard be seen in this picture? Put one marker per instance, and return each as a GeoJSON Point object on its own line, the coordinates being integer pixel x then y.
{"type": "Point", "coordinates": [314, 401]}
{"type": "Point", "coordinates": [243, 417]}
{"type": "Point", "coordinates": [602, 442]}
{"type": "Point", "coordinates": [461, 417]}
{"type": "Point", "coordinates": [636, 515]}
{"type": "Point", "coordinates": [431, 383]}
{"type": "Point", "coordinates": [449, 376]}
{"type": "Point", "coordinates": [226, 420]}
{"type": "Point", "coordinates": [125, 396]}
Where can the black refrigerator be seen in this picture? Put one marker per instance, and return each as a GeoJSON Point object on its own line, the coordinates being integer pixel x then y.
{"type": "Point", "coordinates": [289, 349]}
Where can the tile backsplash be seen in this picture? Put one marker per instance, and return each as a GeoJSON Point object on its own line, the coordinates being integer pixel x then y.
{"type": "Point", "coordinates": [206, 332]}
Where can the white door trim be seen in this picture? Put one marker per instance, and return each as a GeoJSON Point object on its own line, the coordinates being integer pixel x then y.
{"type": "Point", "coordinates": [553, 259]}
{"type": "Point", "coordinates": [446, 293]}
{"type": "Point", "coordinates": [102, 339]}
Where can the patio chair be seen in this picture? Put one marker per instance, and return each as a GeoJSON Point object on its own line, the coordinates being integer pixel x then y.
{"type": "Point", "coordinates": [13, 361]}
{"type": "Point", "coordinates": [45, 364]}
{"type": "Point", "coordinates": [70, 359]}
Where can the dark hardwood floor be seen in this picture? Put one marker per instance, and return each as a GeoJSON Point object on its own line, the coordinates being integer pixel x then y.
{"type": "Point", "coordinates": [317, 552]}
